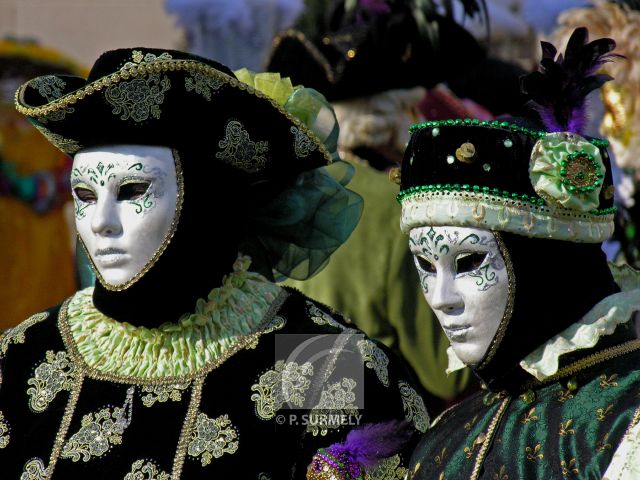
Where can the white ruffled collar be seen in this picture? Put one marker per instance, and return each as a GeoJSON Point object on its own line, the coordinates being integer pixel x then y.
{"type": "Point", "coordinates": [601, 320]}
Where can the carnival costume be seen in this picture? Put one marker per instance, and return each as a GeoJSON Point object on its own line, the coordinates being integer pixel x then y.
{"type": "Point", "coordinates": [199, 366]}
{"type": "Point", "coordinates": [560, 373]}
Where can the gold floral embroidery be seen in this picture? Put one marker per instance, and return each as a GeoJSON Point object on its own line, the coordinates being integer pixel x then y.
{"type": "Point", "coordinates": [212, 438]}
{"type": "Point", "coordinates": [99, 433]}
{"type": "Point", "coordinates": [534, 454]}
{"type": "Point", "coordinates": [530, 416]}
{"type": "Point", "coordinates": [203, 85]}
{"type": "Point", "coordinates": [414, 408]}
{"type": "Point", "coordinates": [286, 382]}
{"type": "Point", "coordinates": [16, 334]}
{"type": "Point", "coordinates": [321, 318]}
{"type": "Point", "coordinates": [440, 457]}
{"type": "Point", "coordinates": [501, 474]}
{"type": "Point", "coordinates": [336, 402]}
{"type": "Point", "coordinates": [163, 393]}
{"type": "Point", "coordinates": [240, 151]}
{"type": "Point", "coordinates": [34, 470]}
{"type": "Point", "coordinates": [375, 359]}
{"type": "Point", "coordinates": [139, 98]}
{"type": "Point", "coordinates": [302, 144]}
{"type": "Point", "coordinates": [606, 382]}
{"type": "Point", "coordinates": [67, 145]}
{"type": "Point", "coordinates": [389, 469]}
{"type": "Point", "coordinates": [48, 86]}
{"type": "Point", "coordinates": [564, 395]}
{"type": "Point", "coordinates": [468, 425]}
{"type": "Point", "coordinates": [602, 413]}
{"type": "Point", "coordinates": [568, 468]}
{"type": "Point", "coordinates": [4, 432]}
{"type": "Point", "coordinates": [141, 470]}
{"type": "Point", "coordinates": [602, 445]}
{"type": "Point", "coordinates": [565, 428]}
{"type": "Point", "coordinates": [50, 378]}
{"type": "Point", "coordinates": [138, 57]}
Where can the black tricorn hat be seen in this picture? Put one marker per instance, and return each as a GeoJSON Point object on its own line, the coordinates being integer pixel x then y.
{"type": "Point", "coordinates": [169, 98]}
{"type": "Point", "coordinates": [367, 47]}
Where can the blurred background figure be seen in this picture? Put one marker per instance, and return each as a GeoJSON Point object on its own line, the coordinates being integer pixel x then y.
{"type": "Point", "coordinates": [238, 33]}
{"type": "Point", "coordinates": [36, 214]}
{"type": "Point", "coordinates": [619, 104]}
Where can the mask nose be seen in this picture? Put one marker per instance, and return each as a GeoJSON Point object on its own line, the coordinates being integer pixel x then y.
{"type": "Point", "coordinates": [445, 296]}
{"type": "Point", "coordinates": [106, 218]}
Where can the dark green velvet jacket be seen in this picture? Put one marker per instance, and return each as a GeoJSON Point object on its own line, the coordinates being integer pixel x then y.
{"type": "Point", "coordinates": [247, 416]}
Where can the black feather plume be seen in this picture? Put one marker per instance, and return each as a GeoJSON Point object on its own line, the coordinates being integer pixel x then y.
{"type": "Point", "coordinates": [558, 90]}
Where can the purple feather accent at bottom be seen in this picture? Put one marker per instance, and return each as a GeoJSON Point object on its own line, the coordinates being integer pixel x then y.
{"type": "Point", "coordinates": [369, 444]}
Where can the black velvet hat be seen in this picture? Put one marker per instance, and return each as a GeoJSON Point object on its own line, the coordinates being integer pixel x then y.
{"type": "Point", "coordinates": [539, 178]}
{"type": "Point", "coordinates": [162, 97]}
{"type": "Point", "coordinates": [365, 47]}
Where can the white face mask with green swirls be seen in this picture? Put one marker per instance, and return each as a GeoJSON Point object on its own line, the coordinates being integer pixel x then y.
{"type": "Point", "coordinates": [125, 202]}
{"type": "Point", "coordinates": [464, 278]}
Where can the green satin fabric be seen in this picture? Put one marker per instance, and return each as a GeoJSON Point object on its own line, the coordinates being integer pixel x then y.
{"type": "Point", "coordinates": [372, 280]}
{"type": "Point", "coordinates": [560, 434]}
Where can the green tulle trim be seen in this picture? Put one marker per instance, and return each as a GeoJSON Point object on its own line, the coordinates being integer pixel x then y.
{"type": "Point", "coordinates": [229, 313]}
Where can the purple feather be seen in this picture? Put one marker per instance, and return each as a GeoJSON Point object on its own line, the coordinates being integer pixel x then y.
{"type": "Point", "coordinates": [560, 86]}
{"type": "Point", "coordinates": [369, 444]}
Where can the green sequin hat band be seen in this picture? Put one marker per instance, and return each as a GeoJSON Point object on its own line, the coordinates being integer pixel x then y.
{"type": "Point", "coordinates": [505, 176]}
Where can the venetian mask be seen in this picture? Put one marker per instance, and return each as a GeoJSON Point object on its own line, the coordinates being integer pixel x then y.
{"type": "Point", "coordinates": [126, 203]}
{"type": "Point", "coordinates": [465, 281]}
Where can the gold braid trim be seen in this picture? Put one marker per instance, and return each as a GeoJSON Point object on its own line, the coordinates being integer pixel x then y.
{"type": "Point", "coordinates": [147, 68]}
{"type": "Point", "coordinates": [488, 437]}
{"type": "Point", "coordinates": [187, 427]}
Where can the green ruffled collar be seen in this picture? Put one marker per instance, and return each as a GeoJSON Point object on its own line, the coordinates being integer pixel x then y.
{"type": "Point", "coordinates": [230, 314]}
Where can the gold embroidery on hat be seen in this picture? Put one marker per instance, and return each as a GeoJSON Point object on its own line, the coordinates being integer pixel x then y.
{"type": "Point", "coordinates": [240, 151]}
{"type": "Point", "coordinates": [67, 145]}
{"type": "Point", "coordinates": [212, 437]}
{"type": "Point", "coordinates": [203, 85]}
{"type": "Point", "coordinates": [138, 99]}
{"type": "Point", "coordinates": [302, 144]}
{"type": "Point", "coordinates": [466, 153]}
{"type": "Point", "coordinates": [51, 88]}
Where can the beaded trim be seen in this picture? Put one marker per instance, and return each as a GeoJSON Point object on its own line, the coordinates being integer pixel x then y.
{"type": "Point", "coordinates": [496, 124]}
{"type": "Point", "coordinates": [144, 69]}
{"type": "Point", "coordinates": [163, 246]}
{"type": "Point", "coordinates": [187, 428]}
{"type": "Point", "coordinates": [534, 200]}
{"type": "Point", "coordinates": [90, 372]}
{"type": "Point", "coordinates": [479, 210]}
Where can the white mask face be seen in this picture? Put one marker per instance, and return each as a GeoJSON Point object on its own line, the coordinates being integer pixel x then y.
{"type": "Point", "coordinates": [126, 198]}
{"type": "Point", "coordinates": [464, 278]}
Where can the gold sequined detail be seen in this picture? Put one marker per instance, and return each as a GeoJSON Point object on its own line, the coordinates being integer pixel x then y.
{"type": "Point", "coordinates": [138, 99]}
{"type": "Point", "coordinates": [16, 334]}
{"type": "Point", "coordinates": [608, 382]}
{"type": "Point", "coordinates": [240, 151]}
{"type": "Point", "coordinates": [187, 428]}
{"type": "Point", "coordinates": [336, 404]}
{"type": "Point", "coordinates": [34, 470]}
{"type": "Point", "coordinates": [99, 432]}
{"type": "Point", "coordinates": [67, 145]}
{"type": "Point", "coordinates": [319, 317]}
{"type": "Point", "coordinates": [376, 359]}
{"type": "Point", "coordinates": [569, 467]}
{"type": "Point", "coordinates": [414, 408]}
{"type": "Point", "coordinates": [533, 453]}
{"type": "Point", "coordinates": [501, 474]}
{"type": "Point", "coordinates": [602, 445]}
{"type": "Point", "coordinates": [440, 457]}
{"type": "Point", "coordinates": [163, 393]}
{"type": "Point", "coordinates": [212, 438]}
{"type": "Point", "coordinates": [565, 428]}
{"type": "Point", "coordinates": [302, 144]}
{"type": "Point", "coordinates": [388, 469]}
{"type": "Point", "coordinates": [285, 383]}
{"type": "Point", "coordinates": [4, 431]}
{"type": "Point", "coordinates": [146, 470]}
{"type": "Point", "coordinates": [602, 413]}
{"type": "Point", "coordinates": [50, 378]}
{"type": "Point", "coordinates": [530, 416]}
{"type": "Point", "coordinates": [203, 85]}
